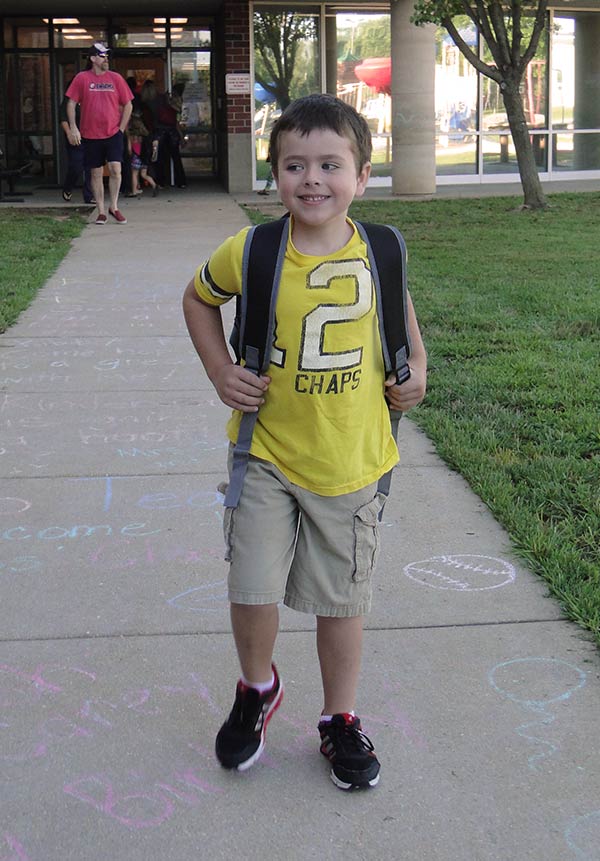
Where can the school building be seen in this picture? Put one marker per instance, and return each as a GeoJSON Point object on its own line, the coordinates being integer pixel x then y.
{"type": "Point", "coordinates": [434, 118]}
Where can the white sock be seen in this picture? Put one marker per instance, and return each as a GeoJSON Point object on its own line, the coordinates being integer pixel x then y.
{"type": "Point", "coordinates": [329, 718]}
{"type": "Point", "coordinates": [261, 687]}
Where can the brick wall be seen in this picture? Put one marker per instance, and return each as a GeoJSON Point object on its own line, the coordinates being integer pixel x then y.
{"type": "Point", "coordinates": [237, 60]}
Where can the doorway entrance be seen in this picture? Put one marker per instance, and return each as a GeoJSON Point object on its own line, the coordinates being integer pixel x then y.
{"type": "Point", "coordinates": [189, 73]}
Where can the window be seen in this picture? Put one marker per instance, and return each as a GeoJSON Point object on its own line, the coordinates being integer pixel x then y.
{"type": "Point", "coordinates": [456, 92]}
{"type": "Point", "coordinates": [78, 32]}
{"type": "Point", "coordinates": [26, 33]}
{"type": "Point", "coordinates": [140, 32]}
{"type": "Point", "coordinates": [286, 66]}
{"type": "Point", "coordinates": [363, 75]}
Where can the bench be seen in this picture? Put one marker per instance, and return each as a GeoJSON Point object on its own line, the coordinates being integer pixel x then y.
{"type": "Point", "coordinates": [11, 175]}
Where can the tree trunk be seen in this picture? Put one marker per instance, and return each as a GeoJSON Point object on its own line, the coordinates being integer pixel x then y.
{"type": "Point", "coordinates": [530, 180]}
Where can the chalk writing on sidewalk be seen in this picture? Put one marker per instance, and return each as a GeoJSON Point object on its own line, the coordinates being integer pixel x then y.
{"type": "Point", "coordinates": [462, 572]}
{"type": "Point", "coordinates": [583, 836]}
{"type": "Point", "coordinates": [13, 505]}
{"type": "Point", "coordinates": [149, 807]}
{"type": "Point", "coordinates": [208, 598]}
{"type": "Point", "coordinates": [158, 500]}
{"type": "Point", "coordinates": [535, 684]}
{"type": "Point", "coordinates": [55, 715]}
{"type": "Point", "coordinates": [12, 845]}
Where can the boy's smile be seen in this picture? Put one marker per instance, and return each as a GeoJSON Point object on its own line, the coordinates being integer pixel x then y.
{"type": "Point", "coordinates": [318, 179]}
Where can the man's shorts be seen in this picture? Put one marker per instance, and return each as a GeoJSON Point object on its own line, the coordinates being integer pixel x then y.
{"type": "Point", "coordinates": [97, 152]}
{"type": "Point", "coordinates": [314, 553]}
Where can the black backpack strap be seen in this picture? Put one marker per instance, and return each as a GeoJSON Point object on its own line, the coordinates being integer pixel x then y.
{"type": "Point", "coordinates": [252, 336]}
{"type": "Point", "coordinates": [387, 257]}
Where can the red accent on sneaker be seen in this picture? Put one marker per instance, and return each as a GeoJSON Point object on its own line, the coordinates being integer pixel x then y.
{"type": "Point", "coordinates": [101, 218]}
{"type": "Point", "coordinates": [349, 718]}
{"type": "Point", "coordinates": [118, 216]}
{"type": "Point", "coordinates": [350, 752]}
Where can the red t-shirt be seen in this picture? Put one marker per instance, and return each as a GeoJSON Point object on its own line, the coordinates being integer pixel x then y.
{"type": "Point", "coordinates": [101, 98]}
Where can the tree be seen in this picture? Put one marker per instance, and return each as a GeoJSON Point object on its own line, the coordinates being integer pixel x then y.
{"type": "Point", "coordinates": [278, 40]}
{"type": "Point", "coordinates": [501, 25]}
{"type": "Point", "coordinates": [373, 38]}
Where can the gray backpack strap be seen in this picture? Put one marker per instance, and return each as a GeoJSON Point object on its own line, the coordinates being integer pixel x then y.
{"type": "Point", "coordinates": [256, 357]}
{"type": "Point", "coordinates": [386, 250]}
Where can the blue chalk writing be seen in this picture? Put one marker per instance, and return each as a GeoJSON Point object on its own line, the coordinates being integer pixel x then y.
{"type": "Point", "coordinates": [583, 836]}
{"type": "Point", "coordinates": [80, 530]}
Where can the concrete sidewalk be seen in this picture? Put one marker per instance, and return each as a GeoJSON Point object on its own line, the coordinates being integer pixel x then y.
{"type": "Point", "coordinates": [116, 662]}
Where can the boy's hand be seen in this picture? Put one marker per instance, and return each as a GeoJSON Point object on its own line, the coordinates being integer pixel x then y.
{"type": "Point", "coordinates": [410, 393]}
{"type": "Point", "coordinates": [239, 388]}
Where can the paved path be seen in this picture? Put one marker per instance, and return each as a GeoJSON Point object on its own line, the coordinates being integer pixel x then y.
{"type": "Point", "coordinates": [117, 665]}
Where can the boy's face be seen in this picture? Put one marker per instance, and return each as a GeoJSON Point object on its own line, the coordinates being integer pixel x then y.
{"type": "Point", "coordinates": [317, 176]}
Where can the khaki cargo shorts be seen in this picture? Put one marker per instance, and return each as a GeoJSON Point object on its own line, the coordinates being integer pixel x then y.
{"type": "Point", "coordinates": [314, 553]}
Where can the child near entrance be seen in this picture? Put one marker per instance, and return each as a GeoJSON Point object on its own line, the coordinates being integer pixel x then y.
{"type": "Point", "coordinates": [305, 530]}
{"type": "Point", "coordinates": [140, 149]}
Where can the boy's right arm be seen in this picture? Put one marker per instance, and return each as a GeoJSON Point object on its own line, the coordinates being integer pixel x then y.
{"type": "Point", "coordinates": [236, 387]}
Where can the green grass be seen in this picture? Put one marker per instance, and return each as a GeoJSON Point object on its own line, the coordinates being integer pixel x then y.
{"type": "Point", "coordinates": [31, 247]}
{"type": "Point", "coordinates": [509, 305]}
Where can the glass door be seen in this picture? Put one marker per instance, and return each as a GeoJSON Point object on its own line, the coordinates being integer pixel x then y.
{"type": "Point", "coordinates": [192, 84]}
{"type": "Point", "coordinates": [68, 64]}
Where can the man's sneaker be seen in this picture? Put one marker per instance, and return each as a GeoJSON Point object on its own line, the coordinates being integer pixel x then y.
{"type": "Point", "coordinates": [118, 216]}
{"type": "Point", "coordinates": [353, 762]}
{"type": "Point", "coordinates": [241, 739]}
{"type": "Point", "coordinates": [101, 218]}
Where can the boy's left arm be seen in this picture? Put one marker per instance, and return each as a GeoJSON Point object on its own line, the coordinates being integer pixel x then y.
{"type": "Point", "coordinates": [412, 392]}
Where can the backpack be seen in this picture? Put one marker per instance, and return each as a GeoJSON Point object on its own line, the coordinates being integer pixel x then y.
{"type": "Point", "coordinates": [253, 329]}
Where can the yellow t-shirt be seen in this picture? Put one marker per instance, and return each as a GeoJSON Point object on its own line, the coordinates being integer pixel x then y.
{"type": "Point", "coordinates": [325, 422]}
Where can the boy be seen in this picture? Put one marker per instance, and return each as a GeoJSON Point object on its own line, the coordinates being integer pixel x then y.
{"type": "Point", "coordinates": [305, 530]}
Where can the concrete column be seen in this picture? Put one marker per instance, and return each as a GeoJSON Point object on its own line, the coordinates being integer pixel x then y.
{"type": "Point", "coordinates": [413, 102]}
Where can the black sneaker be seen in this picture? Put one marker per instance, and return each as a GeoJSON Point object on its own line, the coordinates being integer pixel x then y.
{"type": "Point", "coordinates": [350, 752]}
{"type": "Point", "coordinates": [241, 739]}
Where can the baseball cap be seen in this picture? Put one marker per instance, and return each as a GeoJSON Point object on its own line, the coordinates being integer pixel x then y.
{"type": "Point", "coordinates": [98, 48]}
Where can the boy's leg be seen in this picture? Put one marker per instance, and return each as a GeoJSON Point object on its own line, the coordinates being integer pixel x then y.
{"type": "Point", "coordinates": [260, 537]}
{"type": "Point", "coordinates": [353, 761]}
{"type": "Point", "coordinates": [241, 739]}
{"type": "Point", "coordinates": [331, 577]}
{"type": "Point", "coordinates": [339, 646]}
{"type": "Point", "coordinates": [255, 630]}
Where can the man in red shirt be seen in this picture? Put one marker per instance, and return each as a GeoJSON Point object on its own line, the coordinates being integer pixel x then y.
{"type": "Point", "coordinates": [106, 103]}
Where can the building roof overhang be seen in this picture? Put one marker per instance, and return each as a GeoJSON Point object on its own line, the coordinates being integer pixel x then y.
{"type": "Point", "coordinates": [94, 8]}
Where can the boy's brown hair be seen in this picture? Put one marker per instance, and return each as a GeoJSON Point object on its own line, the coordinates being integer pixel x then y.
{"type": "Point", "coordinates": [323, 111]}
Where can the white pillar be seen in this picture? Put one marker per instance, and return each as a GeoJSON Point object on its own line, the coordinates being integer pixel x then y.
{"type": "Point", "coordinates": [413, 102]}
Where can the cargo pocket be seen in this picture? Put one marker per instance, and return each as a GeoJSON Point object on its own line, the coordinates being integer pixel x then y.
{"type": "Point", "coordinates": [228, 532]}
{"type": "Point", "coordinates": [366, 538]}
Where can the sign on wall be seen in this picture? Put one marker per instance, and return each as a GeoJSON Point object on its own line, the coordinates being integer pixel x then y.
{"type": "Point", "coordinates": [237, 84]}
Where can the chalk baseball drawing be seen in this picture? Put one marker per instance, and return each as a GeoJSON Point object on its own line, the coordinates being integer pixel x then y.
{"type": "Point", "coordinates": [583, 836]}
{"type": "Point", "coordinates": [535, 684]}
{"type": "Point", "coordinates": [464, 572]}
